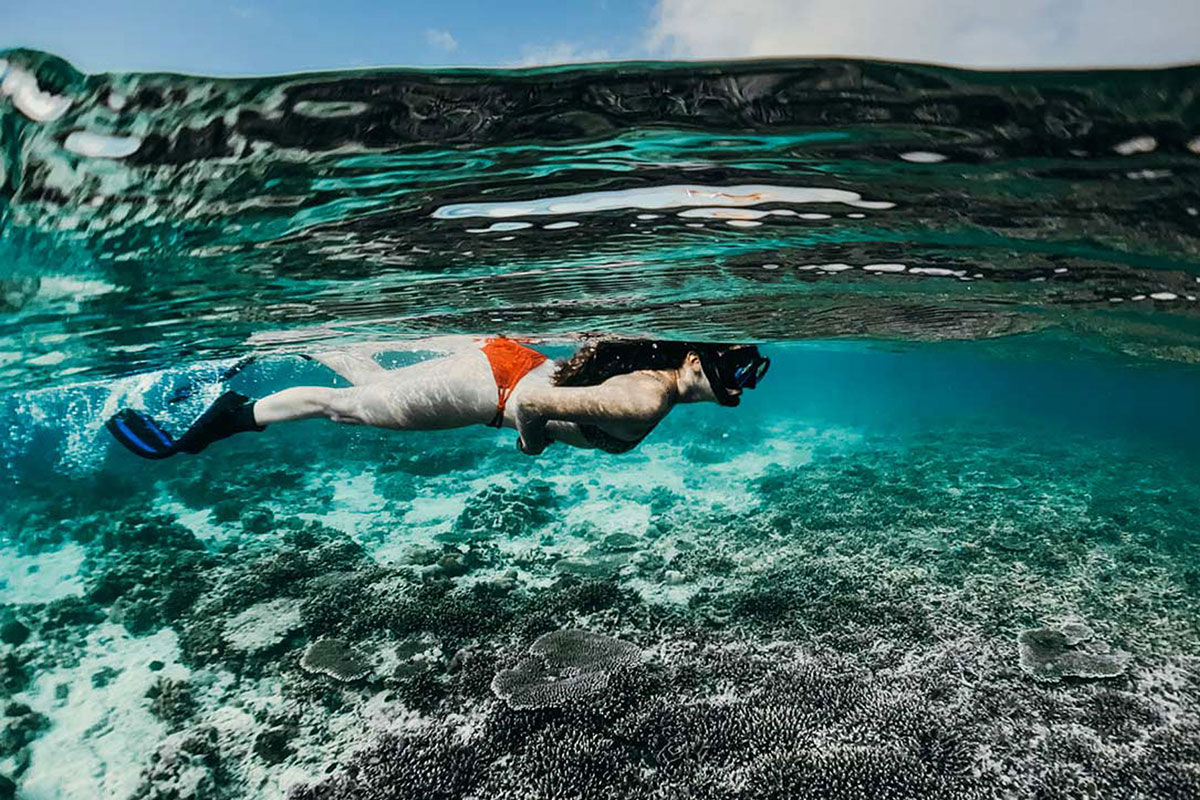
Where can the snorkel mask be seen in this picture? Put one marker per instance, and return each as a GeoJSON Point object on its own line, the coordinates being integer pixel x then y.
{"type": "Point", "coordinates": [735, 368]}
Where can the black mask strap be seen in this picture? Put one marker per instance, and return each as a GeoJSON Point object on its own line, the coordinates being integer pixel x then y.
{"type": "Point", "coordinates": [711, 371]}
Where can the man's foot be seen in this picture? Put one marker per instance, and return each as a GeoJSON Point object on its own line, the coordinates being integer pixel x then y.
{"type": "Point", "coordinates": [141, 435]}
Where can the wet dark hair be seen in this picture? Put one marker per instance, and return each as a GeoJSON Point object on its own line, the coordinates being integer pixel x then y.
{"type": "Point", "coordinates": [596, 362]}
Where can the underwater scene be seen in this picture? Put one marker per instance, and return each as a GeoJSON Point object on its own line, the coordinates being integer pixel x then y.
{"type": "Point", "coordinates": [926, 523]}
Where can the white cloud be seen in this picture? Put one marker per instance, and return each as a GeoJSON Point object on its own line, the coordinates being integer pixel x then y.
{"type": "Point", "coordinates": [559, 53]}
{"type": "Point", "coordinates": [247, 12]}
{"type": "Point", "coordinates": [442, 40]}
{"type": "Point", "coordinates": [968, 32]}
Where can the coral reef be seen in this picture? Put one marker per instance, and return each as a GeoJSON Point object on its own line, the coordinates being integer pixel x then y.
{"type": "Point", "coordinates": [186, 766]}
{"type": "Point", "coordinates": [1050, 654]}
{"type": "Point", "coordinates": [335, 659]}
{"type": "Point", "coordinates": [171, 701]}
{"type": "Point", "coordinates": [876, 620]}
{"type": "Point", "coordinates": [564, 668]}
{"type": "Point", "coordinates": [499, 510]}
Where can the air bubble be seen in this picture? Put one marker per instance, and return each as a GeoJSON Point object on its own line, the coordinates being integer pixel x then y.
{"type": "Point", "coordinates": [28, 98]}
{"type": "Point", "coordinates": [660, 197]}
{"type": "Point", "coordinates": [502, 226]}
{"type": "Point", "coordinates": [940, 272]}
{"type": "Point", "coordinates": [1138, 144]}
{"type": "Point", "coordinates": [96, 145]}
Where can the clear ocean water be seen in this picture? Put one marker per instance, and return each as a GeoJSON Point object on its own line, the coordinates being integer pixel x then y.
{"type": "Point", "coordinates": [948, 549]}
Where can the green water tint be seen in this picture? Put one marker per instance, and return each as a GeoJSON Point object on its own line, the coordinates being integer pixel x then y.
{"type": "Point", "coordinates": [144, 216]}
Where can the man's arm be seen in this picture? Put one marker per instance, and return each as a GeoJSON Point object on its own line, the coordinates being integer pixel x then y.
{"type": "Point", "coordinates": [633, 401]}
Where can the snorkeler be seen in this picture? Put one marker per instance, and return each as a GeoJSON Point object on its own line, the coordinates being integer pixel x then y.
{"type": "Point", "coordinates": [608, 396]}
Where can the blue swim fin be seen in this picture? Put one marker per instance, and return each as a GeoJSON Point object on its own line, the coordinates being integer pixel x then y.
{"type": "Point", "coordinates": [141, 435]}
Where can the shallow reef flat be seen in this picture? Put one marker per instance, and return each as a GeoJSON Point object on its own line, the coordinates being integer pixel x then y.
{"type": "Point", "coordinates": [982, 613]}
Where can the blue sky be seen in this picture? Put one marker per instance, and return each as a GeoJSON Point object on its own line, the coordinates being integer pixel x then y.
{"type": "Point", "coordinates": [255, 36]}
{"type": "Point", "coordinates": [270, 36]}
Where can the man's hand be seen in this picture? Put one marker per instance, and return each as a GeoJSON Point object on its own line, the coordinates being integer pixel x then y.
{"type": "Point", "coordinates": [528, 450]}
{"type": "Point", "coordinates": [531, 430]}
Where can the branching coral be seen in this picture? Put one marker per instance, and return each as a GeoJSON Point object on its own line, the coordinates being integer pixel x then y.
{"type": "Point", "coordinates": [499, 510]}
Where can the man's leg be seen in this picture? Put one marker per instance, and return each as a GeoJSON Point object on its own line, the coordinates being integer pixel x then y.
{"type": "Point", "coordinates": [306, 402]}
{"type": "Point", "coordinates": [448, 392]}
{"type": "Point", "coordinates": [356, 368]}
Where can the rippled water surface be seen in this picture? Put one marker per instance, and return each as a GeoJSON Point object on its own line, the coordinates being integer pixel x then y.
{"type": "Point", "coordinates": [948, 549]}
{"type": "Point", "coordinates": [148, 214]}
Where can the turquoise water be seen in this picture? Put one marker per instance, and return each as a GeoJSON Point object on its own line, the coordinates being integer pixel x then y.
{"type": "Point", "coordinates": [948, 549]}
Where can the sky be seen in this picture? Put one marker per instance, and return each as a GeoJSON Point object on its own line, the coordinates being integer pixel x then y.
{"type": "Point", "coordinates": [236, 37]}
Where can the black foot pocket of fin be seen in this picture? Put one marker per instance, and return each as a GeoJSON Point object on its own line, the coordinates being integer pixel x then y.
{"type": "Point", "coordinates": [231, 413]}
{"type": "Point", "coordinates": [141, 434]}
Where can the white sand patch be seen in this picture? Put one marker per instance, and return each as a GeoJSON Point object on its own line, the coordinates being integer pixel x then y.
{"type": "Point", "coordinates": [608, 515]}
{"type": "Point", "coordinates": [235, 707]}
{"type": "Point", "coordinates": [263, 625]}
{"type": "Point", "coordinates": [428, 515]}
{"type": "Point", "coordinates": [436, 510]}
{"type": "Point", "coordinates": [199, 522]}
{"type": "Point", "coordinates": [40, 578]}
{"type": "Point", "coordinates": [355, 505]}
{"type": "Point", "coordinates": [655, 591]}
{"type": "Point", "coordinates": [100, 735]}
{"type": "Point", "coordinates": [343, 733]}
